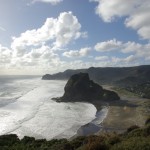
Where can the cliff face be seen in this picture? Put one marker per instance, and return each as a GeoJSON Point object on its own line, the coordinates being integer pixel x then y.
{"type": "Point", "coordinates": [80, 88]}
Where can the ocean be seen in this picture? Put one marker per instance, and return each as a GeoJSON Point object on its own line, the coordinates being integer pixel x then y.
{"type": "Point", "coordinates": [26, 109]}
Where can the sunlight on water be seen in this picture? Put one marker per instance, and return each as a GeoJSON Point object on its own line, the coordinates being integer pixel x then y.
{"type": "Point", "coordinates": [26, 108]}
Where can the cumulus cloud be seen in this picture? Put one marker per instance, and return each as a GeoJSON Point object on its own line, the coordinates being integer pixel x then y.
{"type": "Point", "coordinates": [109, 9]}
{"type": "Point", "coordinates": [131, 47]}
{"type": "Point", "coordinates": [115, 45]}
{"type": "Point", "coordinates": [77, 53]}
{"type": "Point", "coordinates": [102, 58]}
{"type": "Point", "coordinates": [53, 2]}
{"type": "Point", "coordinates": [136, 12]}
{"type": "Point", "coordinates": [108, 45]}
{"type": "Point", "coordinates": [58, 31]}
{"type": "Point", "coordinates": [139, 50]}
{"type": "Point", "coordinates": [43, 52]}
{"type": "Point", "coordinates": [40, 49]}
{"type": "Point", "coordinates": [130, 60]}
{"type": "Point", "coordinates": [44, 59]}
{"type": "Point", "coordinates": [5, 55]}
{"type": "Point", "coordinates": [36, 57]}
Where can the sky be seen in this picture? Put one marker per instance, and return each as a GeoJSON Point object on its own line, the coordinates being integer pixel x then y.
{"type": "Point", "coordinates": [50, 36]}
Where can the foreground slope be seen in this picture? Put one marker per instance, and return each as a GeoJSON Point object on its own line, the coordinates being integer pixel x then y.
{"type": "Point", "coordinates": [134, 138]}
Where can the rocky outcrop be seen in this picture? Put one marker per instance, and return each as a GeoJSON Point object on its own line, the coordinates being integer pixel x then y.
{"type": "Point", "coordinates": [47, 77]}
{"type": "Point", "coordinates": [80, 88]}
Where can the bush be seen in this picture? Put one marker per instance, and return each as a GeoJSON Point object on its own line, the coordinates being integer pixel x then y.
{"type": "Point", "coordinates": [132, 128]}
{"type": "Point", "coordinates": [134, 143]}
{"type": "Point", "coordinates": [27, 140]}
{"type": "Point", "coordinates": [8, 140]}
{"type": "Point", "coordinates": [77, 142]}
{"type": "Point", "coordinates": [96, 143]}
{"type": "Point", "coordinates": [113, 139]}
{"type": "Point", "coordinates": [96, 146]}
{"type": "Point", "coordinates": [147, 122]}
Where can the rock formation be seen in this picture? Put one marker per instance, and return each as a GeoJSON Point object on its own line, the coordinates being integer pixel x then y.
{"type": "Point", "coordinates": [80, 88]}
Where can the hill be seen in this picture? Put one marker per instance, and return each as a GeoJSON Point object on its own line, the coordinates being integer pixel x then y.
{"type": "Point", "coordinates": [124, 77]}
{"type": "Point", "coordinates": [108, 75]}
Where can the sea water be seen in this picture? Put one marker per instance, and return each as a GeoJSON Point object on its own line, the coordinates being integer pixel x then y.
{"type": "Point", "coordinates": [27, 108]}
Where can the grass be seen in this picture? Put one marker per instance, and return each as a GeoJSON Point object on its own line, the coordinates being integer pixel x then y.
{"type": "Point", "coordinates": [125, 92]}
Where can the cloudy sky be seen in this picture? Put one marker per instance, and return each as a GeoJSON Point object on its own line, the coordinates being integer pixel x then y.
{"type": "Point", "coordinates": [48, 36]}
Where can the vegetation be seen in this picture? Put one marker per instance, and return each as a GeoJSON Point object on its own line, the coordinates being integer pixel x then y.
{"type": "Point", "coordinates": [135, 138]}
{"type": "Point", "coordinates": [142, 90]}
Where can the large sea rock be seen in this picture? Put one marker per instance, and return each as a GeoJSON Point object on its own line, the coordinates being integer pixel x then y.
{"type": "Point", "coordinates": [80, 88]}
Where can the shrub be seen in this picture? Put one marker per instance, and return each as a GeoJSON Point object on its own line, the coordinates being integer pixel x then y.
{"type": "Point", "coordinates": [147, 121]}
{"type": "Point", "coordinates": [27, 140]}
{"type": "Point", "coordinates": [8, 140]}
{"type": "Point", "coordinates": [134, 143]}
{"type": "Point", "coordinates": [132, 128]}
{"type": "Point", "coordinates": [113, 139]}
{"type": "Point", "coordinates": [77, 142]}
{"type": "Point", "coordinates": [96, 143]}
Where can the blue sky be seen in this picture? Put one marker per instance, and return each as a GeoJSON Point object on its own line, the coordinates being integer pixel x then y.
{"type": "Point", "coordinates": [48, 36]}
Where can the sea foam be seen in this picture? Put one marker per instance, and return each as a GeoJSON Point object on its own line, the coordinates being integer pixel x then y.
{"type": "Point", "coordinates": [30, 111]}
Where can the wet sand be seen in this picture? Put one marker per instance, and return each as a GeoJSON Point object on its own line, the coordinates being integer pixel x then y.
{"type": "Point", "coordinates": [130, 110]}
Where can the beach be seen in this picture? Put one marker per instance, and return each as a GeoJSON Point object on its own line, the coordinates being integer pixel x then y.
{"type": "Point", "coordinates": [120, 115]}
{"type": "Point", "coordinates": [130, 110]}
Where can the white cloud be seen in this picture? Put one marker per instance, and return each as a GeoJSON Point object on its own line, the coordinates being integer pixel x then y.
{"type": "Point", "coordinates": [58, 31]}
{"type": "Point", "coordinates": [40, 55]}
{"type": "Point", "coordinates": [108, 45]}
{"type": "Point", "coordinates": [102, 58]}
{"type": "Point", "coordinates": [131, 47]}
{"type": "Point", "coordinates": [43, 52]}
{"type": "Point", "coordinates": [136, 12]}
{"type": "Point", "coordinates": [5, 55]}
{"type": "Point", "coordinates": [53, 2]}
{"type": "Point", "coordinates": [40, 49]}
{"type": "Point", "coordinates": [77, 53]}
{"type": "Point", "coordinates": [139, 50]}
{"type": "Point", "coordinates": [66, 29]}
{"type": "Point", "coordinates": [109, 9]}
{"type": "Point", "coordinates": [130, 60]}
{"type": "Point", "coordinates": [140, 19]}
{"type": "Point", "coordinates": [45, 60]}
{"type": "Point", "coordinates": [114, 45]}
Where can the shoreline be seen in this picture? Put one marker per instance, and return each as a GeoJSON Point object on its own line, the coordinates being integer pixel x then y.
{"type": "Point", "coordinates": [129, 110]}
{"type": "Point", "coordinates": [95, 125]}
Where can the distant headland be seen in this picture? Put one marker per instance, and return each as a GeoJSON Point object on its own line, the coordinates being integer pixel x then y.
{"type": "Point", "coordinates": [134, 79]}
